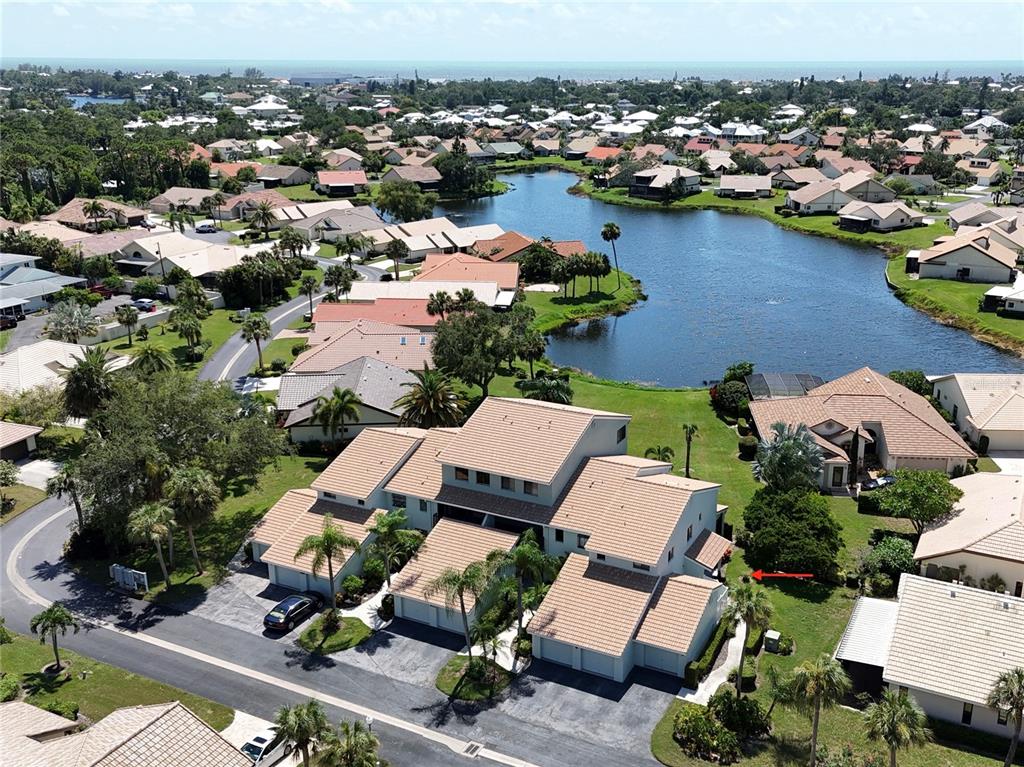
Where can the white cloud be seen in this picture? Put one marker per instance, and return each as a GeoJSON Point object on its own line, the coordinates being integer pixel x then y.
{"type": "Point", "coordinates": [61, 10]}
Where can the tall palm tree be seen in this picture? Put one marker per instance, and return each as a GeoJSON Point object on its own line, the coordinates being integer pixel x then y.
{"type": "Point", "coordinates": [339, 279]}
{"type": "Point", "coordinates": [94, 210]}
{"type": "Point", "coordinates": [393, 542]}
{"type": "Point", "coordinates": [529, 563]}
{"type": "Point", "coordinates": [263, 218]}
{"type": "Point", "coordinates": [754, 608]}
{"type": "Point", "coordinates": [194, 496]}
{"type": "Point", "coordinates": [128, 316]}
{"type": "Point", "coordinates": [333, 412]}
{"type": "Point", "coordinates": [611, 232]}
{"type": "Point", "coordinates": [152, 522]}
{"type": "Point", "coordinates": [66, 482]}
{"type": "Point", "coordinates": [187, 325]}
{"type": "Point", "coordinates": [439, 304]}
{"type": "Point", "coordinates": [69, 321]}
{"type": "Point", "coordinates": [88, 383]}
{"type": "Point", "coordinates": [293, 241]}
{"type": "Point", "coordinates": [456, 585]}
{"type": "Point", "coordinates": [354, 745]}
{"type": "Point", "coordinates": [898, 721]}
{"type": "Point", "coordinates": [662, 453]}
{"type": "Point", "coordinates": [150, 360]}
{"type": "Point", "coordinates": [788, 458]}
{"type": "Point", "coordinates": [547, 389]}
{"type": "Point", "coordinates": [55, 619]}
{"type": "Point", "coordinates": [432, 400]}
{"type": "Point", "coordinates": [818, 684]}
{"type": "Point", "coordinates": [308, 286]}
{"type": "Point", "coordinates": [532, 348]}
{"type": "Point", "coordinates": [465, 300]}
{"type": "Point", "coordinates": [216, 201]}
{"type": "Point", "coordinates": [353, 243]}
{"type": "Point", "coordinates": [1008, 695]}
{"type": "Point", "coordinates": [256, 328]}
{"type": "Point", "coordinates": [327, 548]}
{"type": "Point", "coordinates": [397, 251]}
{"type": "Point", "coordinates": [304, 725]}
{"type": "Point", "coordinates": [690, 430]}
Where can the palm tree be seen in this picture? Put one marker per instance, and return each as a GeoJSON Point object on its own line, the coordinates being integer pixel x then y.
{"type": "Point", "coordinates": [256, 328]}
{"type": "Point", "coordinates": [293, 241]}
{"type": "Point", "coordinates": [194, 496]}
{"type": "Point", "coordinates": [455, 585]}
{"type": "Point", "coordinates": [532, 348]}
{"type": "Point", "coordinates": [397, 251]}
{"type": "Point", "coordinates": [88, 383]}
{"type": "Point", "coordinates": [1008, 695]}
{"type": "Point", "coordinates": [353, 746]}
{"type": "Point", "coordinates": [690, 430]}
{"type": "Point", "coordinates": [662, 453]}
{"type": "Point", "coordinates": [898, 721]}
{"type": "Point", "coordinates": [547, 389]}
{"type": "Point", "coordinates": [393, 542]}
{"type": "Point", "coordinates": [304, 725]}
{"type": "Point", "coordinates": [439, 304]}
{"type": "Point", "coordinates": [333, 412]}
{"type": "Point", "coordinates": [353, 243]}
{"type": "Point", "coordinates": [339, 278]}
{"type": "Point", "coordinates": [94, 210]}
{"type": "Point", "coordinates": [327, 547]}
{"type": "Point", "coordinates": [465, 300]}
{"type": "Point", "coordinates": [818, 684]}
{"type": "Point", "coordinates": [263, 218]}
{"type": "Point", "coordinates": [788, 458]}
{"type": "Point", "coordinates": [128, 316]}
{"type": "Point", "coordinates": [55, 619]}
{"type": "Point", "coordinates": [152, 522]}
{"type": "Point", "coordinates": [150, 360]}
{"type": "Point", "coordinates": [187, 325]}
{"type": "Point", "coordinates": [610, 232]}
{"type": "Point", "coordinates": [432, 400]}
{"type": "Point", "coordinates": [69, 321]}
{"type": "Point", "coordinates": [528, 562]}
{"type": "Point", "coordinates": [66, 482]}
{"type": "Point", "coordinates": [308, 286]}
{"type": "Point", "coordinates": [753, 607]}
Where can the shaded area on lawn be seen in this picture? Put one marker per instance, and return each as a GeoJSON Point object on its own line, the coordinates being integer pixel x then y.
{"type": "Point", "coordinates": [476, 680]}
{"type": "Point", "coordinates": [349, 633]}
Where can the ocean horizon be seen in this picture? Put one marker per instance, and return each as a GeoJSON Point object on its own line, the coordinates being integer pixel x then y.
{"type": "Point", "coordinates": [569, 70]}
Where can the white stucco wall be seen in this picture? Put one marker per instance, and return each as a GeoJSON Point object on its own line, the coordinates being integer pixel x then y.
{"type": "Point", "coordinates": [979, 567]}
{"type": "Point", "coordinates": [951, 710]}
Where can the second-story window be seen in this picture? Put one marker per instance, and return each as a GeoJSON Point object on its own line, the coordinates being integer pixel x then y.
{"type": "Point", "coordinates": [397, 501]}
{"type": "Point", "coordinates": [483, 478]}
{"type": "Point", "coordinates": [671, 553]}
{"type": "Point", "coordinates": [621, 434]}
{"type": "Point", "coordinates": [639, 566]}
{"type": "Point", "coordinates": [689, 532]}
{"type": "Point", "coordinates": [581, 540]}
{"type": "Point", "coordinates": [332, 496]}
{"type": "Point", "coordinates": [530, 488]}
{"type": "Point", "coordinates": [423, 505]}
{"type": "Point", "coordinates": [461, 474]}
{"type": "Point", "coordinates": [560, 535]}
{"type": "Point", "coordinates": [507, 483]}
{"type": "Point", "coordinates": [600, 557]}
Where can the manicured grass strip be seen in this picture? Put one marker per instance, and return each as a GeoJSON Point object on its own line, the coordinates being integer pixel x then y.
{"type": "Point", "coordinates": [217, 329]}
{"type": "Point", "coordinates": [482, 681]}
{"type": "Point", "coordinates": [103, 688]}
{"type": "Point", "coordinates": [987, 464]}
{"type": "Point", "coordinates": [25, 497]}
{"type": "Point", "coordinates": [555, 309]}
{"type": "Point", "coordinates": [5, 338]}
{"type": "Point", "coordinates": [350, 633]}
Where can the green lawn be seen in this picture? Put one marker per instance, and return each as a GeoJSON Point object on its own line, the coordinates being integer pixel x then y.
{"type": "Point", "coordinates": [482, 683]}
{"type": "Point", "coordinates": [956, 303]}
{"type": "Point", "coordinates": [59, 443]}
{"type": "Point", "coordinates": [539, 163]}
{"type": "Point", "coordinates": [352, 632]}
{"type": "Point", "coordinates": [96, 687]}
{"type": "Point", "coordinates": [217, 329]}
{"type": "Point", "coordinates": [301, 192]}
{"type": "Point", "coordinates": [25, 498]}
{"type": "Point", "coordinates": [554, 310]}
{"type": "Point", "coordinates": [5, 338]}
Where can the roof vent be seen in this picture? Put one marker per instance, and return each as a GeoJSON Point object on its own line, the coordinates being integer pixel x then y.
{"type": "Point", "coordinates": [952, 593]}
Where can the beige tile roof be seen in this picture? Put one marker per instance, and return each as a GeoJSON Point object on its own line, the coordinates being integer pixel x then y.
{"type": "Point", "coordinates": [522, 438]}
{"type": "Point", "coordinates": [41, 364]}
{"type": "Point", "coordinates": [450, 544]}
{"type": "Point", "coordinates": [675, 612]}
{"type": "Point", "coordinates": [912, 427]}
{"type": "Point", "coordinates": [708, 548]}
{"type": "Point", "coordinates": [420, 475]}
{"type": "Point", "coordinates": [811, 192]}
{"type": "Point", "coordinates": [989, 520]}
{"type": "Point", "coordinates": [954, 640]}
{"type": "Point", "coordinates": [398, 345]}
{"type": "Point", "coordinates": [801, 175]}
{"type": "Point", "coordinates": [593, 606]}
{"type": "Point", "coordinates": [12, 433]}
{"type": "Point", "coordinates": [979, 241]}
{"type": "Point", "coordinates": [986, 397]}
{"type": "Point", "coordinates": [73, 213]}
{"type": "Point", "coordinates": [460, 267]}
{"type": "Point", "coordinates": [1004, 413]}
{"type": "Point", "coordinates": [369, 460]}
{"type": "Point", "coordinates": [282, 515]}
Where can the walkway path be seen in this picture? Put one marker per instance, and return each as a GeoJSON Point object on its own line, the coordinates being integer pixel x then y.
{"type": "Point", "coordinates": [720, 674]}
{"type": "Point", "coordinates": [506, 655]}
{"type": "Point", "coordinates": [367, 611]}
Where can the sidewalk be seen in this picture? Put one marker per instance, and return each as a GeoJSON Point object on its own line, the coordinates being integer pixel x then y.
{"type": "Point", "coordinates": [720, 674]}
{"type": "Point", "coordinates": [506, 655]}
{"type": "Point", "coordinates": [367, 611]}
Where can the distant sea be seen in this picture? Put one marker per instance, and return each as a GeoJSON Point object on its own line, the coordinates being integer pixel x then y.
{"type": "Point", "coordinates": [569, 70]}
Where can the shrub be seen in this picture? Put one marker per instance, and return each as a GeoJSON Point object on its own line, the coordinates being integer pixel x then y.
{"type": "Point", "coordinates": [146, 287]}
{"type": "Point", "coordinates": [8, 688]}
{"type": "Point", "coordinates": [387, 277]}
{"type": "Point", "coordinates": [386, 611]}
{"type": "Point", "coordinates": [749, 674]}
{"type": "Point", "coordinates": [742, 427]}
{"type": "Point", "coordinates": [142, 334]}
{"type": "Point", "coordinates": [700, 735]}
{"type": "Point", "coordinates": [869, 503]}
{"type": "Point", "coordinates": [65, 708]}
{"type": "Point", "coordinates": [730, 396]}
{"type": "Point", "coordinates": [743, 716]}
{"type": "Point", "coordinates": [352, 585]}
{"type": "Point", "coordinates": [748, 447]}
{"type": "Point", "coordinates": [299, 348]}
{"type": "Point", "coordinates": [87, 543]}
{"type": "Point", "coordinates": [700, 668]}
{"type": "Point", "coordinates": [881, 585]}
{"type": "Point", "coordinates": [845, 757]}
{"type": "Point", "coordinates": [78, 295]}
{"type": "Point", "coordinates": [374, 571]}
{"type": "Point", "coordinates": [786, 645]}
{"type": "Point", "coordinates": [792, 531]}
{"type": "Point", "coordinates": [755, 639]}
{"type": "Point", "coordinates": [738, 371]}
{"type": "Point", "coordinates": [113, 282]}
{"type": "Point", "coordinates": [992, 583]}
{"type": "Point", "coordinates": [524, 647]}
{"type": "Point", "coordinates": [893, 555]}
{"type": "Point", "coordinates": [278, 365]}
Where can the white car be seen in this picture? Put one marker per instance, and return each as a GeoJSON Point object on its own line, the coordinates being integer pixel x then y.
{"type": "Point", "coordinates": [267, 748]}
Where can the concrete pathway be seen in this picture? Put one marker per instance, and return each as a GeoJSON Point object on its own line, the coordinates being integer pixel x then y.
{"type": "Point", "coordinates": [367, 611]}
{"type": "Point", "coordinates": [253, 384]}
{"type": "Point", "coordinates": [1008, 461]}
{"type": "Point", "coordinates": [720, 674]}
{"type": "Point", "coordinates": [506, 655]}
{"type": "Point", "coordinates": [35, 473]}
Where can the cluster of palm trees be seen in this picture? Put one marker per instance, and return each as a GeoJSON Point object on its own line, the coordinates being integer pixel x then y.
{"type": "Point", "coordinates": [339, 279]}
{"type": "Point", "coordinates": [666, 454]}
{"type": "Point", "coordinates": [305, 726]}
{"type": "Point", "coordinates": [591, 264]}
{"type": "Point", "coordinates": [442, 304]}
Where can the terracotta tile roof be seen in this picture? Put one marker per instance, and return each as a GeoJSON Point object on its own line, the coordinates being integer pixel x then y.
{"type": "Point", "coordinates": [566, 248]}
{"type": "Point", "coordinates": [341, 177]}
{"type": "Point", "coordinates": [420, 475]}
{"type": "Point", "coordinates": [458, 267]}
{"type": "Point", "coordinates": [503, 247]}
{"type": "Point", "coordinates": [753, 149]}
{"type": "Point", "coordinates": [407, 312]}
{"type": "Point", "coordinates": [398, 345]}
{"type": "Point", "coordinates": [593, 606]}
{"type": "Point", "coordinates": [943, 628]}
{"type": "Point", "coordinates": [199, 152]}
{"type": "Point", "coordinates": [675, 611]}
{"type": "Point", "coordinates": [369, 460]}
{"type": "Point", "coordinates": [522, 438]}
{"type": "Point", "coordinates": [450, 544]}
{"type": "Point", "coordinates": [274, 197]}
{"type": "Point", "coordinates": [603, 152]}
{"type": "Point", "coordinates": [73, 213]}
{"type": "Point", "coordinates": [12, 433]}
{"type": "Point", "coordinates": [230, 169]}
{"type": "Point", "coordinates": [708, 548]}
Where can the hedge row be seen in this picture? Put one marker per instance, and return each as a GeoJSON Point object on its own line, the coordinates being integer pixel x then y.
{"type": "Point", "coordinates": [700, 668]}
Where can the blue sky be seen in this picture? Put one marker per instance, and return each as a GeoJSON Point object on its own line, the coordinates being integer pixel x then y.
{"type": "Point", "coordinates": [516, 30]}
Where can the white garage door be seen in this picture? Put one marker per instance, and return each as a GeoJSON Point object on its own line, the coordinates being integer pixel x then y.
{"type": "Point", "coordinates": [662, 660]}
{"type": "Point", "coordinates": [1005, 440]}
{"type": "Point", "coordinates": [291, 579]}
{"type": "Point", "coordinates": [417, 611]}
{"type": "Point", "coordinates": [556, 652]}
{"type": "Point", "coordinates": [598, 663]}
{"type": "Point", "coordinates": [449, 619]}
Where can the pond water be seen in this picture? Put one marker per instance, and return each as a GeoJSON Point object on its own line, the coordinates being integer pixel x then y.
{"type": "Point", "coordinates": [77, 102]}
{"type": "Point", "coordinates": [724, 287]}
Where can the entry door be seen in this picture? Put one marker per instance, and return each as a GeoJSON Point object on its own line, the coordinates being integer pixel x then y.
{"type": "Point", "coordinates": [837, 476]}
{"type": "Point", "coordinates": [1019, 591]}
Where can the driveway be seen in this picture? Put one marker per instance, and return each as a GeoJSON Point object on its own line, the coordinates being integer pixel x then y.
{"type": "Point", "coordinates": [30, 329]}
{"type": "Point", "coordinates": [1008, 461]}
{"type": "Point", "coordinates": [35, 473]}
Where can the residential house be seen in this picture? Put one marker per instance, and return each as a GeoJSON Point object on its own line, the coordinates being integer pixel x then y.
{"type": "Point", "coordinates": [795, 178]}
{"type": "Point", "coordinates": [878, 216]}
{"type": "Point", "coordinates": [487, 293]}
{"type": "Point", "coordinates": [333, 224]}
{"type": "Point", "coordinates": [977, 213]}
{"type": "Point", "coordinates": [744, 186]}
{"type": "Point", "coordinates": [242, 206]}
{"type": "Point", "coordinates": [25, 288]}
{"type": "Point", "coordinates": [341, 183]}
{"type": "Point", "coordinates": [432, 235]}
{"type": "Point", "coordinates": [920, 183]}
{"type": "Point", "coordinates": [578, 148]}
{"type": "Point", "coordinates": [986, 128]}
{"type": "Point", "coordinates": [17, 440]}
{"type": "Point", "coordinates": [266, 147]}
{"type": "Point", "coordinates": [861, 186]}
{"type": "Point", "coordinates": [983, 171]}
{"type": "Point", "coordinates": [407, 312]}
{"type": "Point", "coordinates": [987, 407]}
{"type": "Point", "coordinates": [751, 149]}
{"type": "Point", "coordinates": [406, 348]}
{"type": "Point", "coordinates": [818, 197]}
{"type": "Point", "coordinates": [778, 162]}
{"type": "Point", "coordinates": [228, 149]}
{"type": "Point", "coordinates": [51, 230]}
{"type": "Point", "coordinates": [178, 197]}
{"type": "Point", "coordinates": [663, 181]}
{"type": "Point", "coordinates": [835, 167]}
{"type": "Point", "coordinates": [601, 154]}
{"type": "Point", "coordinates": [426, 178]}
{"type": "Point", "coordinates": [460, 267]}
{"type": "Point", "coordinates": [222, 170]}
{"type": "Point", "coordinates": [282, 175]}
{"type": "Point", "coordinates": [974, 257]}
{"type": "Point", "coordinates": [801, 136]}
{"type": "Point", "coordinates": [547, 147]}
{"type": "Point", "coordinates": [505, 247]}
{"type": "Point", "coordinates": [73, 215]}
{"type": "Point", "coordinates": [343, 159]}
{"type": "Point", "coordinates": [42, 363]}
{"type": "Point", "coordinates": [300, 211]}
{"type": "Point", "coordinates": [301, 139]}
{"type": "Point", "coordinates": [865, 417]}
{"type": "Point", "coordinates": [506, 150]}
{"type": "Point", "coordinates": [700, 144]}
{"type": "Point", "coordinates": [798, 152]}
{"type": "Point", "coordinates": [718, 161]}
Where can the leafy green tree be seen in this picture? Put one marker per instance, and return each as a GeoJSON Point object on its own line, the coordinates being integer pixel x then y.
{"type": "Point", "coordinates": [152, 523]}
{"type": "Point", "coordinates": [151, 360]}
{"type": "Point", "coordinates": [788, 458]}
{"type": "Point", "coordinates": [532, 348]}
{"type": "Point", "coordinates": [304, 725]}
{"type": "Point", "coordinates": [256, 329]}
{"type": "Point", "coordinates": [461, 176]}
{"type": "Point", "coordinates": [55, 619]}
{"type": "Point", "coordinates": [8, 478]}
{"type": "Point", "coordinates": [128, 316]}
{"type": "Point", "coordinates": [69, 321]}
{"type": "Point", "coordinates": [791, 531]}
{"type": "Point", "coordinates": [610, 233]}
{"type": "Point", "coordinates": [738, 371]}
{"type": "Point", "coordinates": [333, 412]}
{"type": "Point", "coordinates": [263, 217]}
{"type": "Point", "coordinates": [471, 345]}
{"type": "Point", "coordinates": [892, 556]}
{"type": "Point", "coordinates": [529, 564]}
{"type": "Point", "coordinates": [817, 684]}
{"type": "Point", "coordinates": [923, 497]}
{"type": "Point", "coordinates": [431, 401]}
{"type": "Point", "coordinates": [403, 201]}
{"type": "Point", "coordinates": [392, 542]}
{"type": "Point", "coordinates": [753, 607]}
{"type": "Point", "coordinates": [397, 251]}
{"type": "Point", "coordinates": [456, 585]}
{"type": "Point", "coordinates": [194, 496]}
{"type": "Point", "coordinates": [1007, 694]}
{"type": "Point", "coordinates": [88, 383]}
{"type": "Point", "coordinates": [897, 721]}
{"type": "Point", "coordinates": [66, 482]}
{"type": "Point", "coordinates": [914, 380]}
{"type": "Point", "coordinates": [547, 389]}
{"type": "Point", "coordinates": [329, 547]}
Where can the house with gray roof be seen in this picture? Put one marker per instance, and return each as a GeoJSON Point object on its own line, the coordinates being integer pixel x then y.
{"type": "Point", "coordinates": [24, 288]}
{"type": "Point", "coordinates": [272, 175]}
{"type": "Point", "coordinates": [506, 150]}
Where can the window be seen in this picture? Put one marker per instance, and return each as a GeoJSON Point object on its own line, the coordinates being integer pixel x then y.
{"type": "Point", "coordinates": [462, 474]}
{"type": "Point", "coordinates": [671, 553]}
{"type": "Point", "coordinates": [397, 501]}
{"type": "Point", "coordinates": [361, 502]}
{"type": "Point", "coordinates": [600, 557]}
{"type": "Point", "coordinates": [581, 540]}
{"type": "Point", "coordinates": [1002, 716]}
{"type": "Point", "coordinates": [483, 478]}
{"type": "Point", "coordinates": [530, 488]}
{"type": "Point", "coordinates": [402, 341]}
{"type": "Point", "coordinates": [689, 532]}
{"type": "Point", "coordinates": [621, 434]}
{"type": "Point", "coordinates": [507, 483]}
{"type": "Point", "coordinates": [638, 566]}
{"type": "Point", "coordinates": [332, 496]}
{"type": "Point", "coordinates": [965, 717]}
{"type": "Point", "coordinates": [560, 536]}
{"type": "Point", "coordinates": [423, 505]}
{"type": "Point", "coordinates": [423, 340]}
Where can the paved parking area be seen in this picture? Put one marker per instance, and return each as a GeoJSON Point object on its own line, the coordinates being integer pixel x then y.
{"type": "Point", "coordinates": [35, 473]}
{"type": "Point", "coordinates": [404, 651]}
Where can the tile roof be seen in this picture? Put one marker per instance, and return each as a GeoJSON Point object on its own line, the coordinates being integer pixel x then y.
{"type": "Point", "coordinates": [274, 197]}
{"type": "Point", "coordinates": [376, 383]}
{"type": "Point", "coordinates": [369, 460]}
{"type": "Point", "coordinates": [341, 177]}
{"type": "Point", "coordinates": [603, 152]}
{"type": "Point", "coordinates": [708, 548]}
{"type": "Point", "coordinates": [813, 191]}
{"type": "Point", "coordinates": [305, 210]}
{"type": "Point", "coordinates": [53, 230]}
{"type": "Point", "coordinates": [675, 611]}
{"type": "Point", "coordinates": [407, 312]}
{"type": "Point", "coordinates": [953, 640]}
{"type": "Point", "coordinates": [869, 631]}
{"type": "Point", "coordinates": [230, 169]}
{"type": "Point", "coordinates": [458, 267]}
{"type": "Point", "coordinates": [41, 363]}
{"type": "Point", "coordinates": [12, 433]}
{"type": "Point", "coordinates": [74, 211]}
{"type": "Point", "coordinates": [566, 248]}
{"type": "Point", "coordinates": [178, 195]}
{"type": "Point", "coordinates": [416, 173]}
{"type": "Point", "coordinates": [404, 347]}
{"type": "Point", "coordinates": [994, 400]}
{"type": "Point", "coordinates": [503, 247]}
{"type": "Point", "coordinates": [988, 520]}
{"type": "Point", "coordinates": [979, 241]}
{"type": "Point", "coordinates": [745, 183]}
{"type": "Point", "coordinates": [420, 475]}
{"type": "Point", "coordinates": [451, 544]}
{"type": "Point", "coordinates": [522, 438]}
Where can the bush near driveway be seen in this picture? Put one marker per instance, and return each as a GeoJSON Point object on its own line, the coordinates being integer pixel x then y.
{"type": "Point", "coordinates": [350, 632]}
{"type": "Point", "coordinates": [480, 681]}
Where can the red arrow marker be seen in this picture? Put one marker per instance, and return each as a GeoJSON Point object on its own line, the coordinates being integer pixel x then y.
{"type": "Point", "coordinates": [757, 575]}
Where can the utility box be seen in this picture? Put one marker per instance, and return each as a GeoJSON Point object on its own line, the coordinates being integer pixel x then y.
{"type": "Point", "coordinates": [771, 641]}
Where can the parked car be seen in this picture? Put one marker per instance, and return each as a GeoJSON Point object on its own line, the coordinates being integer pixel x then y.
{"type": "Point", "coordinates": [206, 229]}
{"type": "Point", "coordinates": [144, 304]}
{"type": "Point", "coordinates": [7, 323]}
{"type": "Point", "coordinates": [292, 610]}
{"type": "Point", "coordinates": [267, 748]}
{"type": "Point", "coordinates": [99, 290]}
{"type": "Point", "coordinates": [879, 482]}
{"type": "Point", "coordinates": [146, 224]}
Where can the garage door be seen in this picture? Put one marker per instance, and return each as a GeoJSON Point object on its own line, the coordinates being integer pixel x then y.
{"type": "Point", "coordinates": [598, 663]}
{"type": "Point", "coordinates": [413, 610]}
{"type": "Point", "coordinates": [1005, 440]}
{"type": "Point", "coordinates": [291, 579]}
{"type": "Point", "coordinates": [556, 652]}
{"type": "Point", "coordinates": [662, 660]}
{"type": "Point", "coordinates": [449, 619]}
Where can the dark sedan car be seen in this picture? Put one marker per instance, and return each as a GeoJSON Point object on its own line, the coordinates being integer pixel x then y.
{"type": "Point", "coordinates": [291, 611]}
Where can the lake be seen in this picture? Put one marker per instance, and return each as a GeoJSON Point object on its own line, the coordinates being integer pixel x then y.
{"type": "Point", "coordinates": [77, 102]}
{"type": "Point", "coordinates": [724, 287]}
